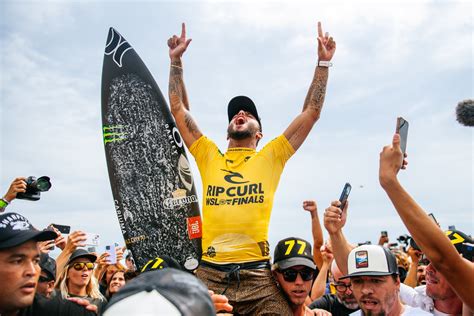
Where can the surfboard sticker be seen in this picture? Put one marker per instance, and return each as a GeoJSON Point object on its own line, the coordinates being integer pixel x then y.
{"type": "Point", "coordinates": [152, 185]}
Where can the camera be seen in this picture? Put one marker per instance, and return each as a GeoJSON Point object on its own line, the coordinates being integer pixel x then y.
{"type": "Point", "coordinates": [34, 187]}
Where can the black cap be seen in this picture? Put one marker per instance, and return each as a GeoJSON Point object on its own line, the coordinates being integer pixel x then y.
{"type": "Point", "coordinates": [292, 252]}
{"type": "Point", "coordinates": [161, 262]}
{"type": "Point", "coordinates": [462, 242]}
{"type": "Point", "coordinates": [15, 230]}
{"type": "Point", "coordinates": [162, 292]}
{"type": "Point", "coordinates": [242, 102]}
{"type": "Point", "coordinates": [48, 265]}
{"type": "Point", "coordinates": [80, 253]}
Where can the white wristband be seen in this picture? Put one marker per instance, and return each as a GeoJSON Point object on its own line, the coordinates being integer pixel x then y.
{"type": "Point", "coordinates": [324, 63]}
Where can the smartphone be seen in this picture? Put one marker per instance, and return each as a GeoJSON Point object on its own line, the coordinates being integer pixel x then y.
{"type": "Point", "coordinates": [402, 129]}
{"type": "Point", "coordinates": [345, 195]}
{"type": "Point", "coordinates": [92, 239]}
{"type": "Point", "coordinates": [63, 229]}
{"type": "Point", "coordinates": [433, 218]}
{"type": "Point", "coordinates": [384, 233]}
{"type": "Point", "coordinates": [112, 258]}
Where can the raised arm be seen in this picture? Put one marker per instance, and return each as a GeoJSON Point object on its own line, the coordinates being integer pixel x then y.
{"type": "Point", "coordinates": [299, 129]}
{"type": "Point", "coordinates": [177, 92]}
{"type": "Point", "coordinates": [334, 220]}
{"type": "Point", "coordinates": [435, 245]}
{"type": "Point", "coordinates": [316, 230]}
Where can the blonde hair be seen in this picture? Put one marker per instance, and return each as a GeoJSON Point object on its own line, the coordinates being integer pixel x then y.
{"type": "Point", "coordinates": [92, 288]}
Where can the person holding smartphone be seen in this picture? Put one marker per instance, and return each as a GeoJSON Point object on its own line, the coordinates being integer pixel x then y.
{"type": "Point", "coordinates": [443, 256]}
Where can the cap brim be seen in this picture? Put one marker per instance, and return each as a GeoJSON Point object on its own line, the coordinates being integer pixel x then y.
{"type": "Point", "coordinates": [366, 273]}
{"type": "Point", "coordinates": [25, 236]}
{"type": "Point", "coordinates": [296, 261]}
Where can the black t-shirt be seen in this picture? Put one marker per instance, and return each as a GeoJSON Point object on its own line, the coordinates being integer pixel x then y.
{"type": "Point", "coordinates": [330, 303]}
{"type": "Point", "coordinates": [52, 307]}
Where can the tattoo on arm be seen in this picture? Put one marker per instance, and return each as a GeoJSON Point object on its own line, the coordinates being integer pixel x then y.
{"type": "Point", "coordinates": [317, 91]}
{"type": "Point", "coordinates": [176, 85]}
{"type": "Point", "coordinates": [190, 124]}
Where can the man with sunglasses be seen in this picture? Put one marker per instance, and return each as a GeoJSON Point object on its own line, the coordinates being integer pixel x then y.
{"type": "Point", "coordinates": [342, 303]}
{"type": "Point", "coordinates": [294, 270]}
{"type": "Point", "coordinates": [47, 277]}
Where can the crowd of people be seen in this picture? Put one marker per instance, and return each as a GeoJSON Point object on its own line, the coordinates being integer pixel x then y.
{"type": "Point", "coordinates": [433, 274]}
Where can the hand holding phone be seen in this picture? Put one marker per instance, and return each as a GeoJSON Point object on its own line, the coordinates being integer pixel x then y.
{"type": "Point", "coordinates": [344, 195]}
{"type": "Point", "coordinates": [63, 229]}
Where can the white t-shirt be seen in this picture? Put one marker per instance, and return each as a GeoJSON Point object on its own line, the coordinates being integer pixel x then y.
{"type": "Point", "coordinates": [409, 311]}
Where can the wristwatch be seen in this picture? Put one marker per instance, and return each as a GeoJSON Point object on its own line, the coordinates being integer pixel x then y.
{"type": "Point", "coordinates": [324, 63]}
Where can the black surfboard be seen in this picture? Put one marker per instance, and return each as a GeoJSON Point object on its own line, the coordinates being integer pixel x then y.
{"type": "Point", "coordinates": [152, 185]}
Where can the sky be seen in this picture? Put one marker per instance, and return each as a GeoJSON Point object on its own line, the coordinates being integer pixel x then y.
{"type": "Point", "coordinates": [393, 58]}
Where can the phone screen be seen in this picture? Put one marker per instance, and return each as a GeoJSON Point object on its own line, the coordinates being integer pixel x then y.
{"type": "Point", "coordinates": [63, 229]}
{"type": "Point", "coordinates": [402, 129]}
{"type": "Point", "coordinates": [345, 195]}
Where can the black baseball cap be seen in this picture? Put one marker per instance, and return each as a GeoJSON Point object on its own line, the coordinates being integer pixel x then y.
{"type": "Point", "coordinates": [371, 260]}
{"type": "Point", "coordinates": [462, 242]}
{"type": "Point", "coordinates": [161, 262]}
{"type": "Point", "coordinates": [48, 265]}
{"type": "Point", "coordinates": [15, 229]}
{"type": "Point", "coordinates": [80, 253]}
{"type": "Point", "coordinates": [162, 292]}
{"type": "Point", "coordinates": [242, 102]}
{"type": "Point", "coordinates": [293, 251]}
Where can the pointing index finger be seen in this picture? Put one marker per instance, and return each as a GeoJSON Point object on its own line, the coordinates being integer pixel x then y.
{"type": "Point", "coordinates": [320, 30]}
{"type": "Point", "coordinates": [183, 30]}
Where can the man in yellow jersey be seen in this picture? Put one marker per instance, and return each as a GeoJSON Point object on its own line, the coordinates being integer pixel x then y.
{"type": "Point", "coordinates": [239, 185]}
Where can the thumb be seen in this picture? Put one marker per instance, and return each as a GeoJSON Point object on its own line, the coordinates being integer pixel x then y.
{"type": "Point", "coordinates": [396, 141]}
{"type": "Point", "coordinates": [187, 42]}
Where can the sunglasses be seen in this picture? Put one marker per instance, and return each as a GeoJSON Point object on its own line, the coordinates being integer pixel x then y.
{"type": "Point", "coordinates": [290, 275]}
{"type": "Point", "coordinates": [80, 265]}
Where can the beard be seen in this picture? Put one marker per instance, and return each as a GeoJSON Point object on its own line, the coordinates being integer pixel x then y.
{"type": "Point", "coordinates": [239, 135]}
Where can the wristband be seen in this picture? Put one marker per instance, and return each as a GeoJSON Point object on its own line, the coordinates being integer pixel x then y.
{"type": "Point", "coordinates": [3, 203]}
{"type": "Point", "coordinates": [324, 63]}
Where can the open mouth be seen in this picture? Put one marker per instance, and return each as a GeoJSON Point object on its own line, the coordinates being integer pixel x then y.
{"type": "Point", "coordinates": [299, 293]}
{"type": "Point", "coordinates": [431, 280]}
{"type": "Point", "coordinates": [369, 303]}
{"type": "Point", "coordinates": [240, 120]}
{"type": "Point", "coordinates": [29, 288]}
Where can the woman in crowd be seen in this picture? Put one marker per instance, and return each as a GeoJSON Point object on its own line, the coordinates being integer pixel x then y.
{"type": "Point", "coordinates": [76, 279]}
{"type": "Point", "coordinates": [117, 281]}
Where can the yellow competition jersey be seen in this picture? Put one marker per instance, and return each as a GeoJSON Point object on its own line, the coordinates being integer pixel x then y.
{"type": "Point", "coordinates": [238, 189]}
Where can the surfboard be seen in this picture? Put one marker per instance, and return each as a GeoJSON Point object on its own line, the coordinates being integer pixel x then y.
{"type": "Point", "coordinates": [152, 185]}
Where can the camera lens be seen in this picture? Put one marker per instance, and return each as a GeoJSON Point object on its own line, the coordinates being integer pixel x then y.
{"type": "Point", "coordinates": [43, 184]}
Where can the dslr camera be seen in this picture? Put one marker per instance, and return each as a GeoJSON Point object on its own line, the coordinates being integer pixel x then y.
{"type": "Point", "coordinates": [34, 187]}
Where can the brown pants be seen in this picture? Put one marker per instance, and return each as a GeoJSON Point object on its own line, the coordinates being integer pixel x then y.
{"type": "Point", "coordinates": [250, 291]}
